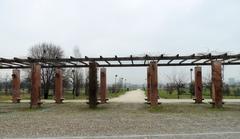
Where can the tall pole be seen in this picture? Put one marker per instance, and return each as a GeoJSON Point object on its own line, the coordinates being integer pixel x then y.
{"type": "Point", "coordinates": [191, 80]}
{"type": "Point", "coordinates": [191, 70]}
{"type": "Point", "coordinates": [115, 80]}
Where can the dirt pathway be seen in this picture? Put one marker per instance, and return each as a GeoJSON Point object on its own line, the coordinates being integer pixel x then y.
{"type": "Point", "coordinates": [136, 96]}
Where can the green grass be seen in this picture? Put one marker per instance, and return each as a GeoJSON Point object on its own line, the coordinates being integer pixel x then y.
{"type": "Point", "coordinates": [67, 95]}
{"type": "Point", "coordinates": [206, 95]}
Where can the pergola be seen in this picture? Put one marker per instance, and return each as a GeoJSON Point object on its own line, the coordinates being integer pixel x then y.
{"type": "Point", "coordinates": [151, 62]}
{"type": "Point", "coordinates": [131, 61]}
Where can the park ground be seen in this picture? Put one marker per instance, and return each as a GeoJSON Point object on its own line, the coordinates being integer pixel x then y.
{"type": "Point", "coordinates": [123, 117]}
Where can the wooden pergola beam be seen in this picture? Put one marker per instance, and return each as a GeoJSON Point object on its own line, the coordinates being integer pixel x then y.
{"type": "Point", "coordinates": [83, 62]}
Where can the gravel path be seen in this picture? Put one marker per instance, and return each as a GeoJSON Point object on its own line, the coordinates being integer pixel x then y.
{"type": "Point", "coordinates": [136, 96]}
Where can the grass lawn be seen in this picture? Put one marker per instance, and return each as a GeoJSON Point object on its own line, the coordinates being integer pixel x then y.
{"type": "Point", "coordinates": [67, 95]}
{"type": "Point", "coordinates": [164, 94]}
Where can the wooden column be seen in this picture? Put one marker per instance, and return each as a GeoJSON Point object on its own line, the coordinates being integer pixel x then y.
{"type": "Point", "coordinates": [148, 85]}
{"type": "Point", "coordinates": [103, 85]}
{"type": "Point", "coordinates": [58, 86]}
{"type": "Point", "coordinates": [198, 85]}
{"type": "Point", "coordinates": [93, 85]}
{"type": "Point", "coordinates": [154, 84]}
{"type": "Point", "coordinates": [16, 86]}
{"type": "Point", "coordinates": [36, 86]}
{"type": "Point", "coordinates": [217, 84]}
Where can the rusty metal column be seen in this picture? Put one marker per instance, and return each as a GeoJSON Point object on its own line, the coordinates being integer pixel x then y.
{"type": "Point", "coordinates": [16, 86]}
{"type": "Point", "coordinates": [103, 85]}
{"type": "Point", "coordinates": [154, 83]}
{"type": "Point", "coordinates": [58, 86]}
{"type": "Point", "coordinates": [36, 86]}
{"type": "Point", "coordinates": [148, 85]}
{"type": "Point", "coordinates": [217, 84]}
{"type": "Point", "coordinates": [93, 85]}
{"type": "Point", "coordinates": [198, 85]}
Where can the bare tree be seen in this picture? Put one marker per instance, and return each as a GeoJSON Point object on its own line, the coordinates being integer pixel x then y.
{"type": "Point", "coordinates": [178, 82]}
{"type": "Point", "coordinates": [46, 50]}
{"type": "Point", "coordinates": [6, 84]}
{"type": "Point", "coordinates": [76, 77]}
{"type": "Point", "coordinates": [169, 88]}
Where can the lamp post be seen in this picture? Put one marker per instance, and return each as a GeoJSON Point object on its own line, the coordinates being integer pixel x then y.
{"type": "Point", "coordinates": [191, 70]}
{"type": "Point", "coordinates": [122, 83]}
{"type": "Point", "coordinates": [191, 80]}
{"type": "Point", "coordinates": [115, 80]}
{"type": "Point", "coordinates": [125, 86]}
{"type": "Point", "coordinates": [115, 84]}
{"type": "Point", "coordinates": [73, 91]}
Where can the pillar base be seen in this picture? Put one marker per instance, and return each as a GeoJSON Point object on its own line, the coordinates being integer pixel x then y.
{"type": "Point", "coordinates": [105, 101]}
{"type": "Point", "coordinates": [149, 103]}
{"type": "Point", "coordinates": [197, 101]}
{"type": "Point", "coordinates": [17, 100]}
{"type": "Point", "coordinates": [214, 105]}
{"type": "Point", "coordinates": [38, 105]}
{"type": "Point", "coordinates": [59, 101]}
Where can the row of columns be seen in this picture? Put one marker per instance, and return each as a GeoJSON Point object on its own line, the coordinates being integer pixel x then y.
{"type": "Point", "coordinates": [152, 84]}
{"type": "Point", "coordinates": [36, 86]}
{"type": "Point", "coordinates": [217, 85]}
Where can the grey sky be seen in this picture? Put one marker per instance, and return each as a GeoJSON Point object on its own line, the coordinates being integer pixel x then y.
{"type": "Point", "coordinates": [122, 27]}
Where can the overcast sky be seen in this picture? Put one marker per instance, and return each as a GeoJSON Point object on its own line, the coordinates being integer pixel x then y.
{"type": "Point", "coordinates": [123, 27]}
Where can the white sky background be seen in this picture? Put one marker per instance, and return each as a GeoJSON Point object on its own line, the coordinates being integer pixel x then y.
{"type": "Point", "coordinates": [123, 27]}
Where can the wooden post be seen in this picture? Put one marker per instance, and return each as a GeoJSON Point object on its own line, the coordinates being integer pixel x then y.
{"type": "Point", "coordinates": [198, 85]}
{"type": "Point", "coordinates": [36, 86]}
{"type": "Point", "coordinates": [93, 85]}
{"type": "Point", "coordinates": [103, 85]}
{"type": "Point", "coordinates": [58, 86]}
{"type": "Point", "coordinates": [154, 83]}
{"type": "Point", "coordinates": [217, 84]}
{"type": "Point", "coordinates": [148, 85]}
{"type": "Point", "coordinates": [16, 86]}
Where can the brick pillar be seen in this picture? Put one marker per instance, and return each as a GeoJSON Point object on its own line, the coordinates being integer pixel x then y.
{"type": "Point", "coordinates": [198, 85]}
{"type": "Point", "coordinates": [103, 86]}
{"type": "Point", "coordinates": [58, 86]}
{"type": "Point", "coordinates": [93, 87]}
{"type": "Point", "coordinates": [154, 84]}
{"type": "Point", "coordinates": [36, 86]}
{"type": "Point", "coordinates": [148, 85]}
{"type": "Point", "coordinates": [16, 86]}
{"type": "Point", "coordinates": [217, 84]}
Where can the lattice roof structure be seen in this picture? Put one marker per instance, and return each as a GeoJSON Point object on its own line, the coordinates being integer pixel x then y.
{"type": "Point", "coordinates": [131, 61]}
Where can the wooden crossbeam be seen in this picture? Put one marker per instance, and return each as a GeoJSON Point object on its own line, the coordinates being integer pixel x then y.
{"type": "Point", "coordinates": [131, 58]}
{"type": "Point", "coordinates": [182, 61]}
{"type": "Point", "coordinates": [159, 58]}
{"type": "Point", "coordinates": [237, 59]}
{"type": "Point", "coordinates": [78, 60]}
{"type": "Point", "coordinates": [145, 59]}
{"type": "Point", "coordinates": [118, 60]}
{"type": "Point", "coordinates": [196, 60]}
{"type": "Point", "coordinates": [170, 61]}
{"type": "Point", "coordinates": [105, 60]}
